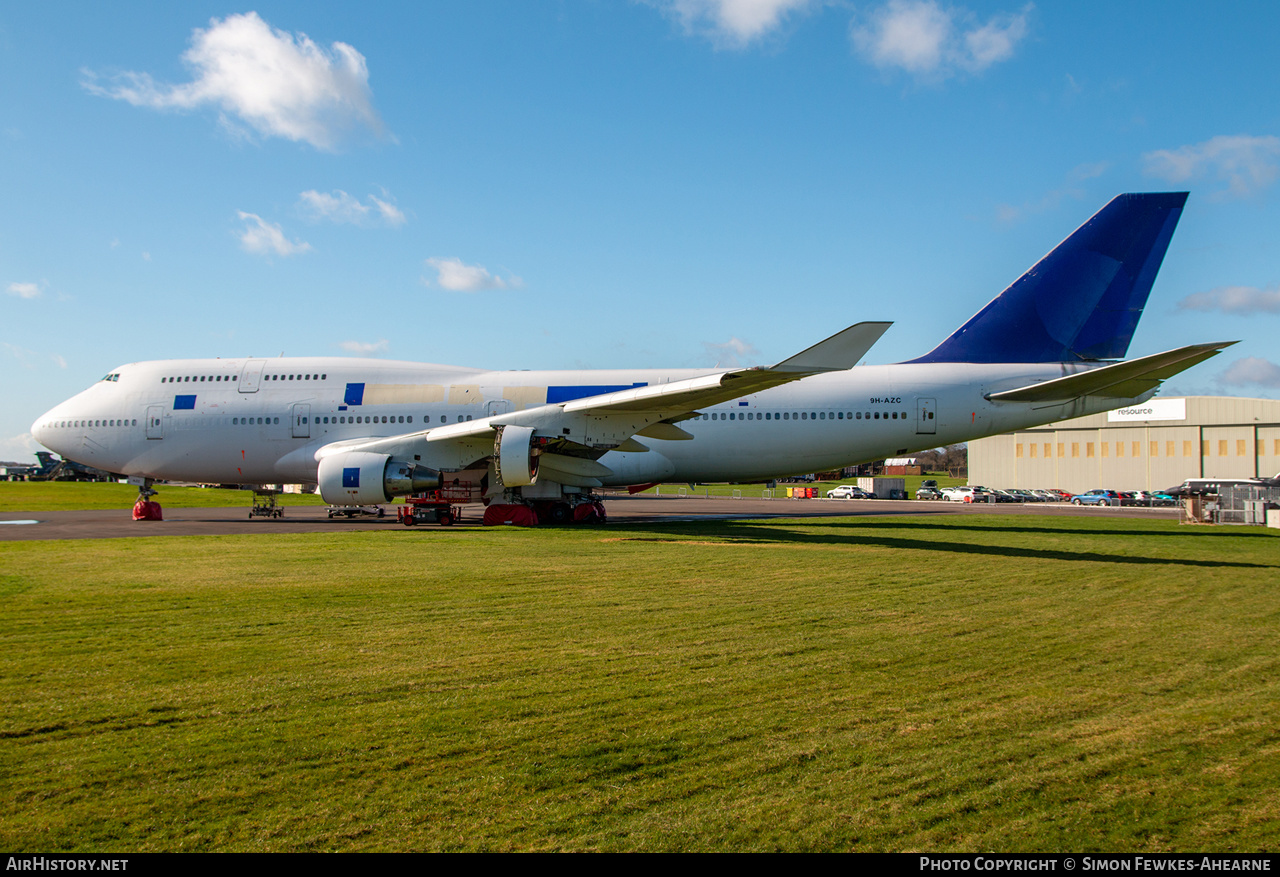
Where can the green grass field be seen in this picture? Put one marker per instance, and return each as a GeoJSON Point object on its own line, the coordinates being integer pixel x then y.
{"type": "Point", "coordinates": [969, 683]}
{"type": "Point", "coordinates": [57, 496]}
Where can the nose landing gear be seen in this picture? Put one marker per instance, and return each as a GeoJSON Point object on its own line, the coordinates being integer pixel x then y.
{"type": "Point", "coordinates": [146, 509]}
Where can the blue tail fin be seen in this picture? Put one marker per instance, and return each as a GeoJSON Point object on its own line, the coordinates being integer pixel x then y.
{"type": "Point", "coordinates": [1083, 300]}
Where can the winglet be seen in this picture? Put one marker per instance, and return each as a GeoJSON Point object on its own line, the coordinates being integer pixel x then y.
{"type": "Point", "coordinates": [841, 351]}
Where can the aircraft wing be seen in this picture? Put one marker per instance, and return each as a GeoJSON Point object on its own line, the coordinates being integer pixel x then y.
{"type": "Point", "coordinates": [1122, 380]}
{"type": "Point", "coordinates": [649, 410]}
{"type": "Point", "coordinates": [839, 352]}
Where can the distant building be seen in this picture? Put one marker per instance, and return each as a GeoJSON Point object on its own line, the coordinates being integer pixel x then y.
{"type": "Point", "coordinates": [902, 466]}
{"type": "Point", "coordinates": [1151, 446]}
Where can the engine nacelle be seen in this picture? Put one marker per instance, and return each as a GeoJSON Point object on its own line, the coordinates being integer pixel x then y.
{"type": "Point", "coordinates": [364, 478]}
{"type": "Point", "coordinates": [513, 456]}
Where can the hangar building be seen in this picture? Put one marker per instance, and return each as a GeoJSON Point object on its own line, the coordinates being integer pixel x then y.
{"type": "Point", "coordinates": [1151, 446]}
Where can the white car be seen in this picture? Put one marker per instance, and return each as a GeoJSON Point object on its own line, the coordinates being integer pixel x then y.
{"type": "Point", "coordinates": [847, 491]}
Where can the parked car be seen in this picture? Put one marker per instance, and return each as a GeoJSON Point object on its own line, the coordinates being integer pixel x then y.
{"type": "Point", "coordinates": [966, 494]}
{"type": "Point", "coordinates": [1098, 497]}
{"type": "Point", "coordinates": [926, 492]}
{"type": "Point", "coordinates": [849, 491]}
{"type": "Point", "coordinates": [1149, 498]}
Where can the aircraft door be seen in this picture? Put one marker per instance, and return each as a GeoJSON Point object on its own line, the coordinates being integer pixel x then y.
{"type": "Point", "coordinates": [251, 374]}
{"type": "Point", "coordinates": [498, 406]}
{"type": "Point", "coordinates": [155, 421]}
{"type": "Point", "coordinates": [301, 420]}
{"type": "Point", "coordinates": [926, 416]}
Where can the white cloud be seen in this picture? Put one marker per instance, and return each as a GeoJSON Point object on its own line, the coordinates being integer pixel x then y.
{"type": "Point", "coordinates": [19, 448]}
{"type": "Point", "coordinates": [1251, 370]}
{"type": "Point", "coordinates": [734, 22]}
{"type": "Point", "coordinates": [1235, 300]}
{"type": "Point", "coordinates": [341, 207]}
{"type": "Point", "coordinates": [1246, 164]}
{"type": "Point", "coordinates": [260, 236]}
{"type": "Point", "coordinates": [933, 42]}
{"type": "Point", "coordinates": [21, 354]}
{"type": "Point", "coordinates": [31, 359]}
{"type": "Point", "coordinates": [732, 353]}
{"type": "Point", "coordinates": [391, 214]}
{"type": "Point", "coordinates": [455, 275]}
{"type": "Point", "coordinates": [363, 348]}
{"type": "Point", "coordinates": [279, 84]}
{"type": "Point", "coordinates": [338, 207]}
{"type": "Point", "coordinates": [1069, 189]}
{"type": "Point", "coordinates": [25, 290]}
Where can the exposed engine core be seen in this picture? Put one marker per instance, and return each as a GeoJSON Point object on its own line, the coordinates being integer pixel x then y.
{"type": "Point", "coordinates": [513, 456]}
{"type": "Point", "coordinates": [363, 478]}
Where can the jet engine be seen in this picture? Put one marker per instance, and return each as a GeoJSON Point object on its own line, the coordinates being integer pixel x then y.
{"type": "Point", "coordinates": [514, 457]}
{"type": "Point", "coordinates": [363, 478]}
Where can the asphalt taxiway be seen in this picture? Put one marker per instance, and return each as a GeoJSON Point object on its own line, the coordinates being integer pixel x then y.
{"type": "Point", "coordinates": [117, 523]}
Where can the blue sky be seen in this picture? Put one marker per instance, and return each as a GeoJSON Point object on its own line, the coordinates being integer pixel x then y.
{"type": "Point", "coordinates": [610, 184]}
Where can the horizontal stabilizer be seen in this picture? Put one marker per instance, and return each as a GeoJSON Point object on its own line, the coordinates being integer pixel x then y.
{"type": "Point", "coordinates": [1123, 380]}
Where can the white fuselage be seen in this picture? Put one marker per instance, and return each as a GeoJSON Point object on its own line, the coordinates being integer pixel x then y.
{"type": "Point", "coordinates": [257, 421]}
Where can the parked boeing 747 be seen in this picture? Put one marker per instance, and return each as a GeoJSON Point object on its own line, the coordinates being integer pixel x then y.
{"type": "Point", "coordinates": [1047, 348]}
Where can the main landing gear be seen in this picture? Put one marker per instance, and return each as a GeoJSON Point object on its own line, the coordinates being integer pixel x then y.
{"type": "Point", "coordinates": [532, 513]}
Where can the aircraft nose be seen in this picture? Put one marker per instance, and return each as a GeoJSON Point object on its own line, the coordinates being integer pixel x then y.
{"type": "Point", "coordinates": [42, 430]}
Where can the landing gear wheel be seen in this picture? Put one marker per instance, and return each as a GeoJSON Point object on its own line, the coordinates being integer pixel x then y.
{"type": "Point", "coordinates": [561, 513]}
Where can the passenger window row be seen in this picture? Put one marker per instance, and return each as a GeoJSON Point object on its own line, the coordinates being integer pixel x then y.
{"type": "Point", "coordinates": [198, 378]}
{"type": "Point", "coordinates": [398, 418]}
{"type": "Point", "coordinates": [806, 415]}
{"type": "Point", "coordinates": [186, 379]}
{"type": "Point", "coordinates": [75, 424]}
